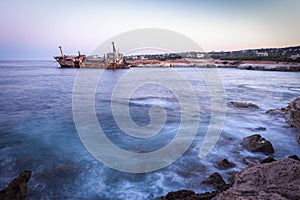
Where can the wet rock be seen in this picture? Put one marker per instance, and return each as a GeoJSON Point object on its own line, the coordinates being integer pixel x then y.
{"type": "Point", "coordinates": [225, 164]}
{"type": "Point", "coordinates": [275, 180]}
{"type": "Point", "coordinates": [271, 67]}
{"type": "Point", "coordinates": [206, 195]}
{"type": "Point", "coordinates": [244, 104]}
{"type": "Point", "coordinates": [64, 170]}
{"type": "Point", "coordinates": [180, 194]}
{"type": "Point", "coordinates": [268, 160]}
{"type": "Point", "coordinates": [277, 111]}
{"type": "Point", "coordinates": [250, 160]}
{"type": "Point", "coordinates": [217, 181]}
{"type": "Point", "coordinates": [17, 188]}
{"type": "Point", "coordinates": [295, 157]}
{"type": "Point", "coordinates": [191, 171]}
{"type": "Point", "coordinates": [294, 113]}
{"type": "Point", "coordinates": [225, 139]}
{"type": "Point", "coordinates": [258, 129]}
{"type": "Point", "coordinates": [256, 143]}
{"type": "Point", "coordinates": [291, 113]}
{"type": "Point", "coordinates": [188, 195]}
{"type": "Point", "coordinates": [231, 176]}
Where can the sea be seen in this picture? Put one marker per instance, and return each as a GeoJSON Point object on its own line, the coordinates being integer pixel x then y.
{"type": "Point", "coordinates": [39, 132]}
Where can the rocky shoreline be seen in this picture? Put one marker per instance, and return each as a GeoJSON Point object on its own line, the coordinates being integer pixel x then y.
{"type": "Point", "coordinates": [267, 179]}
{"type": "Point", "coordinates": [210, 63]}
{"type": "Point", "coordinates": [261, 179]}
{"type": "Point", "coordinates": [278, 180]}
{"type": "Point", "coordinates": [271, 67]}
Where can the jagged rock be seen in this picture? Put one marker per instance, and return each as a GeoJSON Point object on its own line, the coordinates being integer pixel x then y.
{"type": "Point", "coordinates": [17, 188]}
{"type": "Point", "coordinates": [217, 181]}
{"type": "Point", "coordinates": [294, 113]}
{"type": "Point", "coordinates": [295, 157]}
{"type": "Point", "coordinates": [249, 160]}
{"type": "Point", "coordinates": [68, 171]}
{"type": "Point", "coordinates": [180, 194]}
{"type": "Point", "coordinates": [275, 180]}
{"type": "Point", "coordinates": [271, 67]}
{"type": "Point", "coordinates": [268, 160]}
{"type": "Point", "coordinates": [188, 195]}
{"type": "Point", "coordinates": [231, 175]}
{"type": "Point", "coordinates": [258, 129]}
{"type": "Point", "coordinates": [244, 104]}
{"type": "Point", "coordinates": [291, 113]}
{"type": "Point", "coordinates": [277, 111]}
{"type": "Point", "coordinates": [225, 164]}
{"type": "Point", "coordinates": [256, 143]}
{"type": "Point", "coordinates": [191, 171]}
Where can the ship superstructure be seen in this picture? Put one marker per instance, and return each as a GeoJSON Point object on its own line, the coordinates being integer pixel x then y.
{"type": "Point", "coordinates": [114, 60]}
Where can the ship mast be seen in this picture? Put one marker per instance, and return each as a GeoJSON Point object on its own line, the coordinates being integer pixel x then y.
{"type": "Point", "coordinates": [114, 52]}
{"type": "Point", "coordinates": [114, 48]}
{"type": "Point", "coordinates": [61, 51]}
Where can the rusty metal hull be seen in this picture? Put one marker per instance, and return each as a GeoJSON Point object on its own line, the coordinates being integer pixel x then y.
{"type": "Point", "coordinates": [82, 62]}
{"type": "Point", "coordinates": [104, 65]}
{"type": "Point", "coordinates": [70, 61]}
{"type": "Point", "coordinates": [68, 64]}
{"type": "Point", "coordinates": [113, 60]}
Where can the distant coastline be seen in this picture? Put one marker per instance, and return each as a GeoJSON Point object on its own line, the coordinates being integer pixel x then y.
{"type": "Point", "coordinates": [211, 63]}
{"type": "Point", "coordinates": [269, 59]}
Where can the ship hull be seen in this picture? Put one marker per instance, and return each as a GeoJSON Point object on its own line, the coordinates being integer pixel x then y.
{"type": "Point", "coordinates": [64, 64]}
{"type": "Point", "coordinates": [82, 62]}
{"type": "Point", "coordinates": [113, 60]}
{"type": "Point", "coordinates": [93, 65]}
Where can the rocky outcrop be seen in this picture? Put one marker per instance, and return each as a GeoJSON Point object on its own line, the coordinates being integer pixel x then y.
{"type": "Point", "coordinates": [214, 180]}
{"type": "Point", "coordinates": [278, 180]}
{"type": "Point", "coordinates": [271, 67]}
{"type": "Point", "coordinates": [295, 157]}
{"type": "Point", "coordinates": [188, 195]}
{"type": "Point", "coordinates": [250, 159]}
{"type": "Point", "coordinates": [291, 113]}
{"type": "Point", "coordinates": [277, 111]}
{"type": "Point", "coordinates": [17, 188]}
{"type": "Point", "coordinates": [263, 178]}
{"type": "Point", "coordinates": [225, 164]}
{"type": "Point", "coordinates": [275, 180]}
{"type": "Point", "coordinates": [268, 160]}
{"type": "Point", "coordinates": [244, 104]}
{"type": "Point", "coordinates": [293, 110]}
{"type": "Point", "coordinates": [258, 129]}
{"type": "Point", "coordinates": [217, 182]}
{"type": "Point", "coordinates": [256, 143]}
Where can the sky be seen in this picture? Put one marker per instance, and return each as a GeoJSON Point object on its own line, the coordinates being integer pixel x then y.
{"type": "Point", "coordinates": [33, 29]}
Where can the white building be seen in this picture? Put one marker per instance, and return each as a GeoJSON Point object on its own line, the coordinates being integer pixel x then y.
{"type": "Point", "coordinates": [200, 55]}
{"type": "Point", "coordinates": [294, 57]}
{"type": "Point", "coordinates": [262, 54]}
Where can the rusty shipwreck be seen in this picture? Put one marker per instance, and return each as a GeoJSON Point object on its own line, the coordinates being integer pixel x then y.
{"type": "Point", "coordinates": [114, 60]}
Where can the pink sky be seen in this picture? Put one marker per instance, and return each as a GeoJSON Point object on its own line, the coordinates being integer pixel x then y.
{"type": "Point", "coordinates": [33, 29]}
